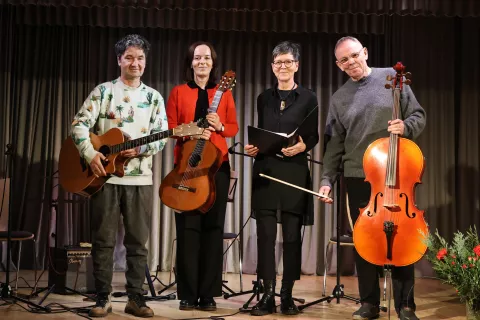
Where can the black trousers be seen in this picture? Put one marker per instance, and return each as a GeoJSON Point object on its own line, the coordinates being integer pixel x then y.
{"type": "Point", "coordinates": [134, 203]}
{"type": "Point", "coordinates": [403, 278]}
{"type": "Point", "coordinates": [200, 245]}
{"type": "Point", "coordinates": [292, 244]}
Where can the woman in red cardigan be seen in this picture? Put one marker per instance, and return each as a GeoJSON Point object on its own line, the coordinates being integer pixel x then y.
{"type": "Point", "coordinates": [200, 236]}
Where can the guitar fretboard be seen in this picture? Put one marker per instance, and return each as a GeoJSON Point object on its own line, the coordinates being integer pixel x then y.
{"type": "Point", "coordinates": [215, 102]}
{"type": "Point", "coordinates": [131, 144]}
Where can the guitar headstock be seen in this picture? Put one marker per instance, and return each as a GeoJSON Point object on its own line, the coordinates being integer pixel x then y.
{"type": "Point", "coordinates": [187, 129]}
{"type": "Point", "coordinates": [400, 78]}
{"type": "Point", "coordinates": [228, 81]}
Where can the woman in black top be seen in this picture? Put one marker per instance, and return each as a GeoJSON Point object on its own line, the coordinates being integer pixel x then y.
{"type": "Point", "coordinates": [283, 109]}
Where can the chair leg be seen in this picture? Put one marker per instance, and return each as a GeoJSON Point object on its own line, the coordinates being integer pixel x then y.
{"type": "Point", "coordinates": [34, 265]}
{"type": "Point", "coordinates": [325, 272]}
{"type": "Point", "coordinates": [239, 243]}
{"type": "Point", "coordinates": [18, 265]}
{"type": "Point", "coordinates": [173, 257]}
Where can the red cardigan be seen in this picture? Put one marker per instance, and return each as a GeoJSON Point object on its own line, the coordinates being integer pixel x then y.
{"type": "Point", "coordinates": [181, 109]}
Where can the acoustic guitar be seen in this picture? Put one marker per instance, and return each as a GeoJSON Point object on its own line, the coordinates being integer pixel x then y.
{"type": "Point", "coordinates": [75, 173]}
{"type": "Point", "coordinates": [191, 184]}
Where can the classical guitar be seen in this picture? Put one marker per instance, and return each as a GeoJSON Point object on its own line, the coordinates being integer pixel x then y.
{"type": "Point", "coordinates": [75, 173]}
{"type": "Point", "coordinates": [191, 184]}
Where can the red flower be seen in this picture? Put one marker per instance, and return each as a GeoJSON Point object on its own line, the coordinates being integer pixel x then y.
{"type": "Point", "coordinates": [477, 250]}
{"type": "Point", "coordinates": [453, 263]}
{"type": "Point", "coordinates": [464, 266]}
{"type": "Point", "coordinates": [441, 254]}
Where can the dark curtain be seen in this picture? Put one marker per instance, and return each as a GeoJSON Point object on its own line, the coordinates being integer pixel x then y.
{"type": "Point", "coordinates": [48, 71]}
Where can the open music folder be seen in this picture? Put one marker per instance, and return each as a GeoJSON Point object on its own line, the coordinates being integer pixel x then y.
{"type": "Point", "coordinates": [269, 142]}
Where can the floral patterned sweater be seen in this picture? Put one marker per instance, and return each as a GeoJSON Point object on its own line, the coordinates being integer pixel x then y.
{"type": "Point", "coordinates": [138, 112]}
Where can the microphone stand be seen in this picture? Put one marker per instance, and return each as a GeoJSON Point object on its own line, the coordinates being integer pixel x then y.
{"type": "Point", "coordinates": [6, 292]}
{"type": "Point", "coordinates": [338, 290]}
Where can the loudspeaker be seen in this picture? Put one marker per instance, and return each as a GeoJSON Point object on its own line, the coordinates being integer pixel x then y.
{"type": "Point", "coordinates": [71, 267]}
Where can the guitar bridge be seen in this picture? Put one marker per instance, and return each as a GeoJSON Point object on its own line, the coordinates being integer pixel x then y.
{"type": "Point", "coordinates": [181, 187]}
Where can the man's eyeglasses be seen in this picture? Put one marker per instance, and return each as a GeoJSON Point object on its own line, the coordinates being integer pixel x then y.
{"type": "Point", "coordinates": [287, 63]}
{"type": "Point", "coordinates": [354, 56]}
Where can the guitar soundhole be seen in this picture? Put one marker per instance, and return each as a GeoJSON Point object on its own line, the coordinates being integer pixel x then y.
{"type": "Point", "coordinates": [195, 159]}
{"type": "Point", "coordinates": [105, 150]}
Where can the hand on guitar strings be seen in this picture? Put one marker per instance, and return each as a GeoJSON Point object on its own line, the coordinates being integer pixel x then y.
{"type": "Point", "coordinates": [130, 152]}
{"type": "Point", "coordinates": [295, 149]}
{"type": "Point", "coordinates": [205, 135]}
{"type": "Point", "coordinates": [325, 190]}
{"type": "Point", "coordinates": [251, 150]}
{"type": "Point", "coordinates": [214, 121]}
{"type": "Point", "coordinates": [96, 165]}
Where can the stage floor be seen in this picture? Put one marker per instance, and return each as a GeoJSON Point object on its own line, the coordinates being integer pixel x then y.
{"type": "Point", "coordinates": [434, 301]}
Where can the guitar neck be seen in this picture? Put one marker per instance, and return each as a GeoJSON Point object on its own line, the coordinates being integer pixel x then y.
{"type": "Point", "coordinates": [216, 101]}
{"type": "Point", "coordinates": [131, 144]}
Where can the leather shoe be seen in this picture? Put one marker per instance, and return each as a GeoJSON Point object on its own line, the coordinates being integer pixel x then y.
{"type": "Point", "coordinates": [187, 305]}
{"type": "Point", "coordinates": [408, 314]}
{"type": "Point", "coordinates": [207, 304]}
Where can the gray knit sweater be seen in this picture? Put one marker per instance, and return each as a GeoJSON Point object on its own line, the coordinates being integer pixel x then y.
{"type": "Point", "coordinates": [358, 115]}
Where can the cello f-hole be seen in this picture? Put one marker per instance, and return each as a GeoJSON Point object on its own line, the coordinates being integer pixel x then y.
{"type": "Point", "coordinates": [413, 214]}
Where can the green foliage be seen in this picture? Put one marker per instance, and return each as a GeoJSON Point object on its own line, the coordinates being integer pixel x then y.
{"type": "Point", "coordinates": [458, 263]}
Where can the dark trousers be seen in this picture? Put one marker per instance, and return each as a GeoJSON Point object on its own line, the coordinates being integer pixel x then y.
{"type": "Point", "coordinates": [134, 203]}
{"type": "Point", "coordinates": [292, 244]}
{"type": "Point", "coordinates": [200, 245]}
{"type": "Point", "coordinates": [403, 278]}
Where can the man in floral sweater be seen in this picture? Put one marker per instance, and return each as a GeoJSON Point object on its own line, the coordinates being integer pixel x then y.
{"type": "Point", "coordinates": [138, 110]}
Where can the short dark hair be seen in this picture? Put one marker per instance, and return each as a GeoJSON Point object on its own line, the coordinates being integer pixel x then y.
{"type": "Point", "coordinates": [287, 47]}
{"type": "Point", "coordinates": [131, 40]}
{"type": "Point", "coordinates": [342, 40]}
{"type": "Point", "coordinates": [188, 70]}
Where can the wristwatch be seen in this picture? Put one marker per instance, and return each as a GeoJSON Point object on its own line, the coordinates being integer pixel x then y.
{"type": "Point", "coordinates": [223, 128]}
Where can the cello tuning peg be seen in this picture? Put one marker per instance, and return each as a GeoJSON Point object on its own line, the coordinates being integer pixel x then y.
{"type": "Point", "coordinates": [389, 78]}
{"type": "Point", "coordinates": [388, 86]}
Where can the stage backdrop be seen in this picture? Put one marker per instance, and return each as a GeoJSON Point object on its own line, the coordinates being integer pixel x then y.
{"type": "Point", "coordinates": [53, 56]}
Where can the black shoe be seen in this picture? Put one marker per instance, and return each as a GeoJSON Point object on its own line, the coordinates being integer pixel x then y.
{"type": "Point", "coordinates": [287, 306]}
{"type": "Point", "coordinates": [207, 304]}
{"type": "Point", "coordinates": [187, 305]}
{"type": "Point", "coordinates": [408, 314]}
{"type": "Point", "coordinates": [266, 305]}
{"type": "Point", "coordinates": [367, 311]}
{"type": "Point", "coordinates": [136, 306]}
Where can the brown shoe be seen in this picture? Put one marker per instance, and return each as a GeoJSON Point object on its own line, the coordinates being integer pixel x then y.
{"type": "Point", "coordinates": [103, 306]}
{"type": "Point", "coordinates": [136, 306]}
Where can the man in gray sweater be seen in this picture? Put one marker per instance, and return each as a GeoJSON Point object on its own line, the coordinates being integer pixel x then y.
{"type": "Point", "coordinates": [360, 113]}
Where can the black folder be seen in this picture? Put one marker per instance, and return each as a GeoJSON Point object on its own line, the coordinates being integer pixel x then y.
{"type": "Point", "coordinates": [271, 143]}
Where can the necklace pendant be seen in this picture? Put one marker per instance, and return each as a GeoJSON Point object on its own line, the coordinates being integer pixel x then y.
{"type": "Point", "coordinates": [282, 105]}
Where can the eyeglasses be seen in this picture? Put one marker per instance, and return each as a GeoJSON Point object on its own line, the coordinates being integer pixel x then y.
{"type": "Point", "coordinates": [354, 56]}
{"type": "Point", "coordinates": [287, 63]}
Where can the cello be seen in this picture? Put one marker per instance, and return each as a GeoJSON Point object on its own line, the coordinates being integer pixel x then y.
{"type": "Point", "coordinates": [390, 230]}
{"type": "Point", "coordinates": [191, 184]}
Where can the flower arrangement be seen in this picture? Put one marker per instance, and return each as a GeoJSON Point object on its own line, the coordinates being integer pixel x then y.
{"type": "Point", "coordinates": [458, 264]}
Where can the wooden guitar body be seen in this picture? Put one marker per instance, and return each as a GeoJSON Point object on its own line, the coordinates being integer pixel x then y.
{"type": "Point", "coordinates": [74, 171]}
{"type": "Point", "coordinates": [191, 184]}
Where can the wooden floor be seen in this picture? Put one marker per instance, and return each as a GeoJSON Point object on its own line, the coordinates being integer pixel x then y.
{"type": "Point", "coordinates": [434, 301]}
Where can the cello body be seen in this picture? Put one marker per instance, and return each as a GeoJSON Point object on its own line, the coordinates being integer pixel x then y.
{"type": "Point", "coordinates": [391, 230]}
{"type": "Point", "coordinates": [406, 242]}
